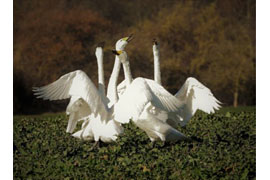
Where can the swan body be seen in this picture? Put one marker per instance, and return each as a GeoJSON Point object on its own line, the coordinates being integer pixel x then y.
{"type": "Point", "coordinates": [93, 129]}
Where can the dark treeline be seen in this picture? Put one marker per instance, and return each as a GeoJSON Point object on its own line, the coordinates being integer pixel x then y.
{"type": "Point", "coordinates": [211, 40]}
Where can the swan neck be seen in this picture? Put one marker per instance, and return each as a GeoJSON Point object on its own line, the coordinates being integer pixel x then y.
{"type": "Point", "coordinates": [127, 73]}
{"type": "Point", "coordinates": [157, 73]}
{"type": "Point", "coordinates": [112, 86]}
{"type": "Point", "coordinates": [101, 83]}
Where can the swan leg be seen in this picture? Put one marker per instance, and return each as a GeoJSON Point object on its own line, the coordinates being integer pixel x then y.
{"type": "Point", "coordinates": [163, 144]}
{"type": "Point", "coordinates": [194, 138]}
{"type": "Point", "coordinates": [152, 144]}
{"type": "Point", "coordinates": [95, 145]}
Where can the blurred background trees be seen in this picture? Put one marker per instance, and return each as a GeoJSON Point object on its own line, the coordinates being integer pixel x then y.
{"type": "Point", "coordinates": [212, 40]}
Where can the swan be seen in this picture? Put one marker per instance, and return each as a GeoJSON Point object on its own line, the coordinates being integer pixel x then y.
{"type": "Point", "coordinates": [107, 131]}
{"type": "Point", "coordinates": [112, 93]}
{"type": "Point", "coordinates": [86, 101]}
{"type": "Point", "coordinates": [193, 94]}
{"type": "Point", "coordinates": [112, 127]}
{"type": "Point", "coordinates": [148, 105]}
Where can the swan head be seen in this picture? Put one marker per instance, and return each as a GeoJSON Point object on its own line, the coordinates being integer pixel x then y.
{"type": "Point", "coordinates": [155, 45]}
{"type": "Point", "coordinates": [155, 42]}
{"type": "Point", "coordinates": [121, 54]}
{"type": "Point", "coordinates": [121, 43]}
{"type": "Point", "coordinates": [99, 49]}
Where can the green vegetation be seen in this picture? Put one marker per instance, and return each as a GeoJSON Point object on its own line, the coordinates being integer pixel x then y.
{"type": "Point", "coordinates": [225, 148]}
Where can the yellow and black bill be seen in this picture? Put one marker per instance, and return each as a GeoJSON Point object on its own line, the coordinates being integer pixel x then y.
{"type": "Point", "coordinates": [116, 52]}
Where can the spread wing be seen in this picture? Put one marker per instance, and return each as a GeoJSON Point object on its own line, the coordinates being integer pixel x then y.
{"type": "Point", "coordinates": [194, 95]}
{"type": "Point", "coordinates": [77, 84]}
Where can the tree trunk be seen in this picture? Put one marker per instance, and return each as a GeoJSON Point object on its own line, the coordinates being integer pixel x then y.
{"type": "Point", "coordinates": [236, 88]}
{"type": "Point", "coordinates": [235, 99]}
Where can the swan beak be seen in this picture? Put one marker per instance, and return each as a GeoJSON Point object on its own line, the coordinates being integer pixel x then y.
{"type": "Point", "coordinates": [129, 38]}
{"type": "Point", "coordinates": [155, 41]}
{"type": "Point", "coordinates": [116, 52]}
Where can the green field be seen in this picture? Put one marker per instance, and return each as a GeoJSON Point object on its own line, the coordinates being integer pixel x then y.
{"type": "Point", "coordinates": [225, 148]}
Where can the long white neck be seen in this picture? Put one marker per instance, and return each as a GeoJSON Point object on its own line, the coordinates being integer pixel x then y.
{"type": "Point", "coordinates": [127, 73]}
{"type": "Point", "coordinates": [157, 73]}
{"type": "Point", "coordinates": [112, 86]}
{"type": "Point", "coordinates": [101, 83]}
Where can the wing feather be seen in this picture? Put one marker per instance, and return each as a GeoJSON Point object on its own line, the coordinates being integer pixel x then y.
{"type": "Point", "coordinates": [121, 88]}
{"type": "Point", "coordinates": [168, 102]}
{"type": "Point", "coordinates": [132, 101]}
{"type": "Point", "coordinates": [140, 93]}
{"type": "Point", "coordinates": [194, 95]}
{"type": "Point", "coordinates": [75, 83]}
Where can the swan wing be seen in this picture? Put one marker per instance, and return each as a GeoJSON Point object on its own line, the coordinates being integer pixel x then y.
{"type": "Point", "coordinates": [132, 101]}
{"type": "Point", "coordinates": [121, 88]}
{"type": "Point", "coordinates": [77, 84]}
{"type": "Point", "coordinates": [77, 109]}
{"type": "Point", "coordinates": [141, 94]}
{"type": "Point", "coordinates": [194, 95]}
{"type": "Point", "coordinates": [162, 98]}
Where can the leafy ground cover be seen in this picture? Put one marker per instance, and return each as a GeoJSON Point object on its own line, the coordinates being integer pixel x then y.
{"type": "Point", "coordinates": [225, 148]}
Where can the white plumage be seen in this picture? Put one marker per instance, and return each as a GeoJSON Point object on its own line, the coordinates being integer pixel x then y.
{"type": "Point", "coordinates": [94, 126]}
{"type": "Point", "coordinates": [86, 95]}
{"type": "Point", "coordinates": [138, 95]}
{"type": "Point", "coordinates": [194, 95]}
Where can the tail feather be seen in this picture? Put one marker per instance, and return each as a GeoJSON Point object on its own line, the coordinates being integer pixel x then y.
{"type": "Point", "coordinates": [173, 135]}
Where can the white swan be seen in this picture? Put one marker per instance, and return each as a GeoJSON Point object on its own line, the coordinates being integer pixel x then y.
{"type": "Point", "coordinates": [148, 105]}
{"type": "Point", "coordinates": [91, 126]}
{"type": "Point", "coordinates": [94, 126]}
{"type": "Point", "coordinates": [193, 94]}
{"type": "Point", "coordinates": [85, 99]}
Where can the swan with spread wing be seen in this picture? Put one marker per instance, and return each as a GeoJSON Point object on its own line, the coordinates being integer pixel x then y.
{"type": "Point", "coordinates": [148, 105]}
{"type": "Point", "coordinates": [193, 95]}
{"type": "Point", "coordinates": [95, 126]}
